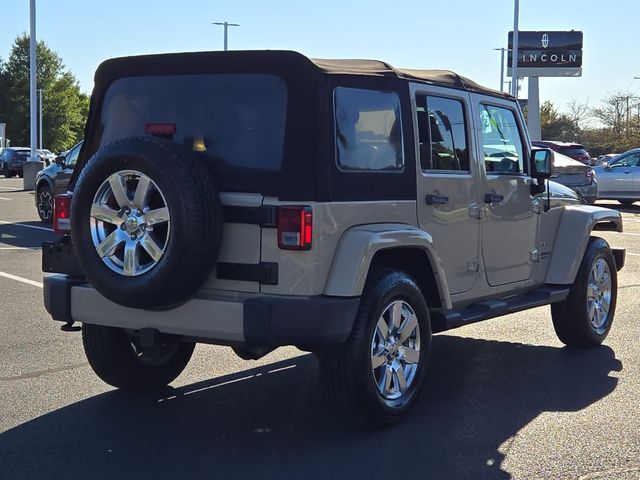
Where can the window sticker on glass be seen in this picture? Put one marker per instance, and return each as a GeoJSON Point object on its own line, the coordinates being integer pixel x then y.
{"type": "Point", "coordinates": [501, 142]}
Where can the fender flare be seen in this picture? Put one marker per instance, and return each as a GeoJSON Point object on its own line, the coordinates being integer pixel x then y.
{"type": "Point", "coordinates": [576, 224]}
{"type": "Point", "coordinates": [358, 246]}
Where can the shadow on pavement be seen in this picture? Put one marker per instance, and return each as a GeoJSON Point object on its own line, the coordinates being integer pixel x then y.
{"type": "Point", "coordinates": [28, 234]}
{"type": "Point", "coordinates": [271, 424]}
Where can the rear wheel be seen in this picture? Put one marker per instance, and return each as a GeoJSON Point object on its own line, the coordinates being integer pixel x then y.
{"type": "Point", "coordinates": [45, 203]}
{"type": "Point", "coordinates": [119, 360]}
{"type": "Point", "coordinates": [7, 173]}
{"type": "Point", "coordinates": [376, 375]}
{"type": "Point", "coordinates": [146, 223]}
{"type": "Point", "coordinates": [626, 203]}
{"type": "Point", "coordinates": [585, 317]}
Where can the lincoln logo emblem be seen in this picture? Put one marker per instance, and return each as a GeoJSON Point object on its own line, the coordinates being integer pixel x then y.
{"type": "Point", "coordinates": [545, 40]}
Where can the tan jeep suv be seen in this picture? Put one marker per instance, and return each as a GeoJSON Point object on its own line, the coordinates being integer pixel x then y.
{"type": "Point", "coordinates": [258, 199]}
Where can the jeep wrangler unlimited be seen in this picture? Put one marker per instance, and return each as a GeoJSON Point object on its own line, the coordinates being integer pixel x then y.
{"type": "Point", "coordinates": [258, 199]}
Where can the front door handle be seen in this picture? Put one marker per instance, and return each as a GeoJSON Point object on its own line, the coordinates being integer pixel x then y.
{"type": "Point", "coordinates": [432, 199]}
{"type": "Point", "coordinates": [493, 198]}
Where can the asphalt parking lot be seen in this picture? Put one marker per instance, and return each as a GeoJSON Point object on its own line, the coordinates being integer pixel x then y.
{"type": "Point", "coordinates": [503, 398]}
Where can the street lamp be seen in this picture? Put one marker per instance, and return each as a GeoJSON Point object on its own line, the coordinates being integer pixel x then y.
{"type": "Point", "coordinates": [514, 61]}
{"type": "Point", "coordinates": [41, 93]}
{"type": "Point", "coordinates": [33, 78]}
{"type": "Point", "coordinates": [226, 26]}
{"type": "Point", "coordinates": [502, 50]}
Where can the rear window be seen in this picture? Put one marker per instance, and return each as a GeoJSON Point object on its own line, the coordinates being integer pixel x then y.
{"type": "Point", "coordinates": [235, 120]}
{"type": "Point", "coordinates": [574, 151]}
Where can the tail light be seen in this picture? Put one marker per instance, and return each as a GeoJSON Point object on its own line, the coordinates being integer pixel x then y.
{"type": "Point", "coordinates": [62, 213]}
{"type": "Point", "coordinates": [295, 228]}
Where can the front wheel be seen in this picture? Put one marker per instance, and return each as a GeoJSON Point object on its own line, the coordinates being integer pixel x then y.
{"type": "Point", "coordinates": [584, 319]}
{"type": "Point", "coordinates": [376, 375]}
{"type": "Point", "coordinates": [119, 360]}
{"type": "Point", "coordinates": [45, 204]}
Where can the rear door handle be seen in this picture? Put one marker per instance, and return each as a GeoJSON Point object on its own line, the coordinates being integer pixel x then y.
{"type": "Point", "coordinates": [432, 199]}
{"type": "Point", "coordinates": [493, 198]}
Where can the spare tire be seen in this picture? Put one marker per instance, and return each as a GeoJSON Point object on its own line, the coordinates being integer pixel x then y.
{"type": "Point", "coordinates": [146, 222]}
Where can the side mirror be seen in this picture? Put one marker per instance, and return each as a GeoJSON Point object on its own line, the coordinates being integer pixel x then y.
{"type": "Point", "coordinates": [59, 160]}
{"type": "Point", "coordinates": [541, 163]}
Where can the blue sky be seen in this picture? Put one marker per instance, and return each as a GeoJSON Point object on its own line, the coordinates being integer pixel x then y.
{"type": "Point", "coordinates": [456, 35]}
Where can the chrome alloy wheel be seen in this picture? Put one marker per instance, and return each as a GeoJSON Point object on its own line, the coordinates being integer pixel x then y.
{"type": "Point", "coordinates": [395, 350]}
{"type": "Point", "coordinates": [129, 223]}
{"type": "Point", "coordinates": [599, 295]}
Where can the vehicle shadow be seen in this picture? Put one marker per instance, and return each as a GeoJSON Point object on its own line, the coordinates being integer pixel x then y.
{"type": "Point", "coordinates": [634, 208]}
{"type": "Point", "coordinates": [275, 422]}
{"type": "Point", "coordinates": [27, 234]}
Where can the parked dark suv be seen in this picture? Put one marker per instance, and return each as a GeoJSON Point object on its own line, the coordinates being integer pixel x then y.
{"type": "Point", "coordinates": [53, 180]}
{"type": "Point", "coordinates": [12, 160]}
{"type": "Point", "coordinates": [570, 149]}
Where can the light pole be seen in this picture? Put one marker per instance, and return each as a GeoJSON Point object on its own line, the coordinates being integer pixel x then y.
{"type": "Point", "coordinates": [226, 26]}
{"type": "Point", "coordinates": [502, 50]}
{"type": "Point", "coordinates": [33, 78]}
{"type": "Point", "coordinates": [514, 61]}
{"type": "Point", "coordinates": [33, 164]}
{"type": "Point", "coordinates": [41, 93]}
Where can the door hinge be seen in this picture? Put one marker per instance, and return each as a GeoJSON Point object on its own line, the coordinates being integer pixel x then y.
{"type": "Point", "coordinates": [534, 256]}
{"type": "Point", "coordinates": [475, 210]}
{"type": "Point", "coordinates": [537, 205]}
{"type": "Point", "coordinates": [473, 264]}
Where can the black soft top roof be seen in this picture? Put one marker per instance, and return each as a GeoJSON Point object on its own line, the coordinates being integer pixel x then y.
{"type": "Point", "coordinates": [246, 60]}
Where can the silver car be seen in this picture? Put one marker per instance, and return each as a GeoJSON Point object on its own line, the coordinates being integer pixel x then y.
{"type": "Point", "coordinates": [620, 179]}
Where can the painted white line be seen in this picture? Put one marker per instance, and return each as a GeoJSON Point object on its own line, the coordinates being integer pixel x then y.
{"type": "Point", "coordinates": [30, 226]}
{"type": "Point", "coordinates": [35, 249]}
{"type": "Point", "coordinates": [634, 254]}
{"type": "Point", "coordinates": [11, 189]}
{"type": "Point", "coordinates": [20, 279]}
{"type": "Point", "coordinates": [627, 233]}
{"type": "Point", "coordinates": [3, 198]}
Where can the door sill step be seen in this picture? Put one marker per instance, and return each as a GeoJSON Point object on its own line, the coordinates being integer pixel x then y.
{"type": "Point", "coordinates": [442, 320]}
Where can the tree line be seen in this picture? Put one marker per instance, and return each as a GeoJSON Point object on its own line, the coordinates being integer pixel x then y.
{"type": "Point", "coordinates": [611, 127]}
{"type": "Point", "coordinates": [65, 106]}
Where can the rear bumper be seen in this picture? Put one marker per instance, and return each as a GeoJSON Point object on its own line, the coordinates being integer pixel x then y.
{"type": "Point", "coordinates": [224, 318]}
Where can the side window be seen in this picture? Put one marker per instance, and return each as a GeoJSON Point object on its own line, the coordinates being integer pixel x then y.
{"type": "Point", "coordinates": [501, 141]}
{"type": "Point", "coordinates": [72, 156]}
{"type": "Point", "coordinates": [442, 134]}
{"type": "Point", "coordinates": [630, 160]}
{"type": "Point", "coordinates": [368, 130]}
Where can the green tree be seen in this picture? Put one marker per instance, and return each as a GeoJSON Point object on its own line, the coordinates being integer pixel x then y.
{"type": "Point", "coordinates": [556, 125]}
{"type": "Point", "coordinates": [64, 107]}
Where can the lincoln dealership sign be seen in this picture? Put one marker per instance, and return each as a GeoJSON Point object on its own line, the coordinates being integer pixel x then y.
{"type": "Point", "coordinates": [548, 54]}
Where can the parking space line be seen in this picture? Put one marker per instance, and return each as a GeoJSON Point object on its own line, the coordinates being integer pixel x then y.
{"type": "Point", "coordinates": [633, 254]}
{"type": "Point", "coordinates": [35, 249]}
{"type": "Point", "coordinates": [27, 226]}
{"type": "Point", "coordinates": [20, 279]}
{"type": "Point", "coordinates": [11, 189]}
{"type": "Point", "coordinates": [4, 198]}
